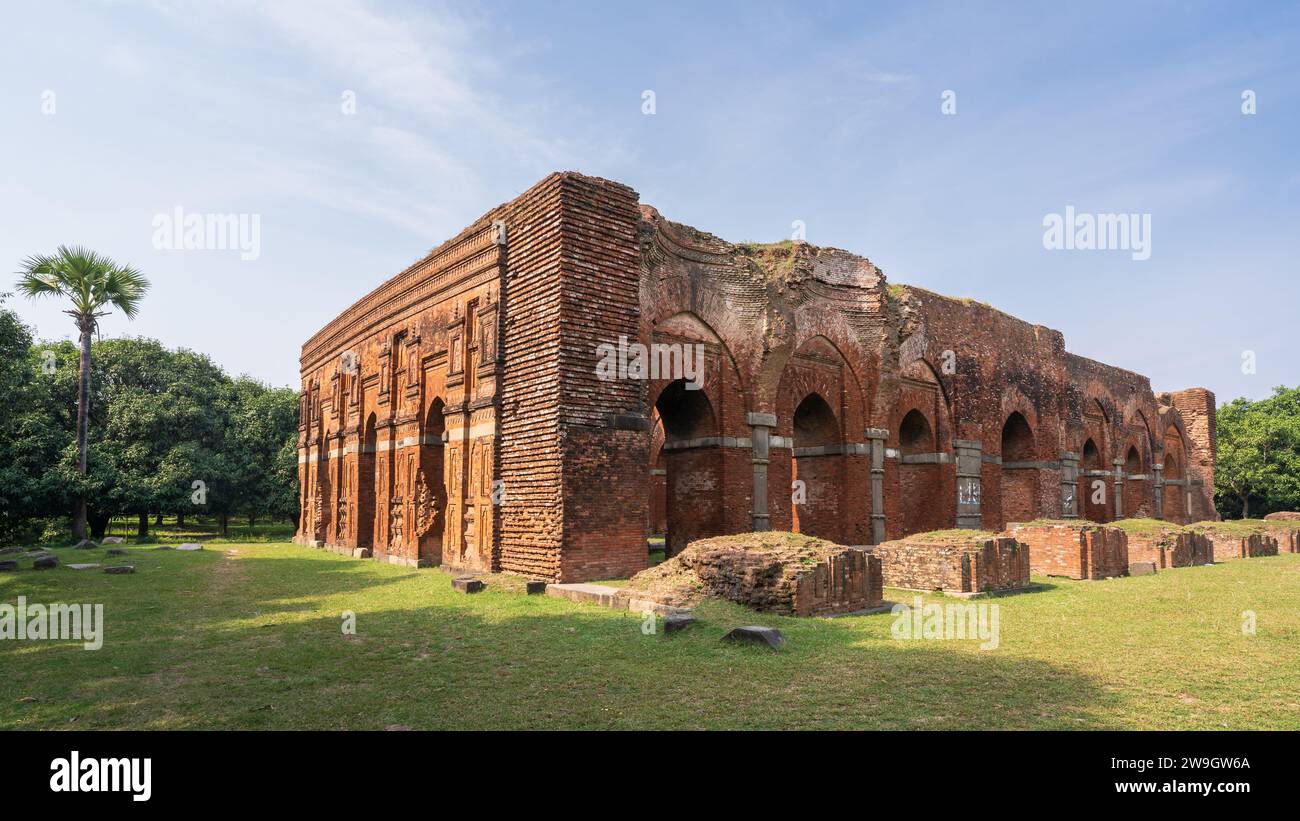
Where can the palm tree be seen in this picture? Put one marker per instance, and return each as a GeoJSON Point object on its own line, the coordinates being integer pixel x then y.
{"type": "Point", "coordinates": [90, 281]}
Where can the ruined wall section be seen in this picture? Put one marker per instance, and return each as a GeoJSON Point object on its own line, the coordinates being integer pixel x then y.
{"type": "Point", "coordinates": [604, 426]}
{"type": "Point", "coordinates": [376, 381]}
{"type": "Point", "coordinates": [780, 321]}
{"type": "Point", "coordinates": [991, 365]}
{"type": "Point", "coordinates": [1196, 406]}
{"type": "Point", "coordinates": [530, 463]}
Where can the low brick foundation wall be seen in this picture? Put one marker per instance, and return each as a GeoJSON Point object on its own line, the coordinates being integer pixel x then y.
{"type": "Point", "coordinates": [978, 565]}
{"type": "Point", "coordinates": [772, 572]}
{"type": "Point", "coordinates": [1288, 539]}
{"type": "Point", "coordinates": [1229, 546]}
{"type": "Point", "coordinates": [1169, 548]}
{"type": "Point", "coordinates": [1076, 551]}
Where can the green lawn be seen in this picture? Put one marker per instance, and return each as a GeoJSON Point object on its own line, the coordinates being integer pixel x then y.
{"type": "Point", "coordinates": [249, 636]}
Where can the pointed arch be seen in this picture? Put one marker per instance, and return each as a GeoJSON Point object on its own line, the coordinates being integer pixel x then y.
{"type": "Point", "coordinates": [1018, 489]}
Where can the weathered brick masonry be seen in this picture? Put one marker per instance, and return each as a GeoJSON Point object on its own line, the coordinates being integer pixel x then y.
{"type": "Point", "coordinates": [1169, 548]}
{"type": "Point", "coordinates": [1076, 551]}
{"type": "Point", "coordinates": [459, 414]}
{"type": "Point", "coordinates": [976, 565]}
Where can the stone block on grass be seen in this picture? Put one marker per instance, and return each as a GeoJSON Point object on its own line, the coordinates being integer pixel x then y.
{"type": "Point", "coordinates": [677, 622]}
{"type": "Point", "coordinates": [112, 540]}
{"type": "Point", "coordinates": [46, 563]}
{"type": "Point", "coordinates": [756, 634]}
{"type": "Point", "coordinates": [189, 546]}
{"type": "Point", "coordinates": [535, 587]}
{"type": "Point", "coordinates": [467, 584]}
{"type": "Point", "coordinates": [85, 544]}
{"type": "Point", "coordinates": [119, 569]}
{"type": "Point", "coordinates": [8, 565]}
{"type": "Point", "coordinates": [1141, 568]}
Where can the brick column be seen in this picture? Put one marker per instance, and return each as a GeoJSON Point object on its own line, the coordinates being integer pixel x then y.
{"type": "Point", "coordinates": [760, 426]}
{"type": "Point", "coordinates": [876, 440]}
{"type": "Point", "coordinates": [1069, 485]}
{"type": "Point", "coordinates": [969, 469]}
{"type": "Point", "coordinates": [1158, 492]}
{"type": "Point", "coordinates": [1119, 488]}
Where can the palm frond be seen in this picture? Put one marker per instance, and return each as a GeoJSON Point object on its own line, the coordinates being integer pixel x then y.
{"type": "Point", "coordinates": [88, 279]}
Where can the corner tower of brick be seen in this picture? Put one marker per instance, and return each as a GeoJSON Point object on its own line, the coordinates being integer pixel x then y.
{"type": "Point", "coordinates": [573, 447]}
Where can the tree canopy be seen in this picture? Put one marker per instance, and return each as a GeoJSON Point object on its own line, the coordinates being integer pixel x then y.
{"type": "Point", "coordinates": [161, 420]}
{"type": "Point", "coordinates": [1257, 470]}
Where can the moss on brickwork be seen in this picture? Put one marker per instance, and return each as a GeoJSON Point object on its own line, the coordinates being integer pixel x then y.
{"type": "Point", "coordinates": [1236, 527]}
{"type": "Point", "coordinates": [956, 535]}
{"type": "Point", "coordinates": [1148, 526]}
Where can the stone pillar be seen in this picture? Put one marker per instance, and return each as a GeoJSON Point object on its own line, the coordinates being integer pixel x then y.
{"type": "Point", "coordinates": [1119, 488]}
{"type": "Point", "coordinates": [876, 441]}
{"type": "Point", "coordinates": [1069, 485]}
{"type": "Point", "coordinates": [760, 426]}
{"type": "Point", "coordinates": [1158, 493]}
{"type": "Point", "coordinates": [969, 464]}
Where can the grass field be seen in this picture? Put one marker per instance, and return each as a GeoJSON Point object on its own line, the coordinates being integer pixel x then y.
{"type": "Point", "coordinates": [250, 636]}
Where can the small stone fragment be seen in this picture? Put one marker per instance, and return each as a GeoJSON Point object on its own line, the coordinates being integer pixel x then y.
{"type": "Point", "coordinates": [676, 622]}
{"type": "Point", "coordinates": [756, 634]}
{"type": "Point", "coordinates": [466, 584]}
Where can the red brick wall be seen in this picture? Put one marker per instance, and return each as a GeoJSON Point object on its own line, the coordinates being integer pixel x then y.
{"type": "Point", "coordinates": [606, 493]}
{"type": "Point", "coordinates": [695, 496]}
{"type": "Point", "coordinates": [1164, 549]}
{"type": "Point", "coordinates": [1226, 547]}
{"type": "Point", "coordinates": [1075, 551]}
{"type": "Point", "coordinates": [584, 264]}
{"type": "Point", "coordinates": [974, 566]}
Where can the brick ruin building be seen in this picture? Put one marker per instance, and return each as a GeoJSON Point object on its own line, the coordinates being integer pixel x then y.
{"type": "Point", "coordinates": [460, 414]}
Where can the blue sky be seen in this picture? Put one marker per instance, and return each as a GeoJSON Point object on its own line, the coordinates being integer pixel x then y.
{"type": "Point", "coordinates": [765, 113]}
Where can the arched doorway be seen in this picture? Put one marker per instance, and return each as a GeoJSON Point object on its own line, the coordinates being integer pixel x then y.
{"type": "Point", "coordinates": [1135, 494]}
{"type": "Point", "coordinates": [431, 487]}
{"type": "Point", "coordinates": [366, 486]}
{"type": "Point", "coordinates": [692, 456]}
{"type": "Point", "coordinates": [1019, 489]}
{"type": "Point", "coordinates": [1094, 488]}
{"type": "Point", "coordinates": [920, 506]}
{"type": "Point", "coordinates": [816, 469]}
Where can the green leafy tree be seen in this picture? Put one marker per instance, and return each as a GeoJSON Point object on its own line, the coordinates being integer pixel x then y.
{"type": "Point", "coordinates": [90, 282]}
{"type": "Point", "coordinates": [17, 489]}
{"type": "Point", "coordinates": [1257, 469]}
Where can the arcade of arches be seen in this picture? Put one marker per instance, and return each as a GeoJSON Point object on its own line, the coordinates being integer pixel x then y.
{"type": "Point", "coordinates": [465, 412]}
